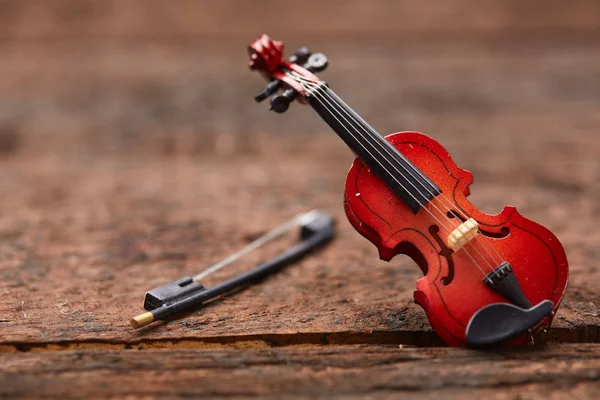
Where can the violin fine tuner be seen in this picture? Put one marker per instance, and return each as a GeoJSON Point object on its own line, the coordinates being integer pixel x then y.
{"type": "Point", "coordinates": [488, 279]}
{"type": "Point", "coordinates": [316, 229]}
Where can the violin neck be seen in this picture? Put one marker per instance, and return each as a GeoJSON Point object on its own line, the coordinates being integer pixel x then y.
{"type": "Point", "coordinates": [380, 156]}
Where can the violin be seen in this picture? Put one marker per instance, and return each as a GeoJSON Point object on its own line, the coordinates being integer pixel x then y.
{"type": "Point", "coordinates": [488, 280]}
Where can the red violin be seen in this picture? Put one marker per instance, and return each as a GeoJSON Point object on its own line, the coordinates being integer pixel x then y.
{"type": "Point", "coordinates": [488, 279]}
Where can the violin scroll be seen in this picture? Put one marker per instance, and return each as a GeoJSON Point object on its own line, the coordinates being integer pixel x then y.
{"type": "Point", "coordinates": [265, 54]}
{"type": "Point", "coordinates": [286, 78]}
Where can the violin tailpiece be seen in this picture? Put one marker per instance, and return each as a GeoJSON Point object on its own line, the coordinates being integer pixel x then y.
{"type": "Point", "coordinates": [503, 281]}
{"type": "Point", "coordinates": [463, 234]}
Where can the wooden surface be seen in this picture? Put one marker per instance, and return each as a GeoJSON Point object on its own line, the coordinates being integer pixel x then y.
{"type": "Point", "coordinates": [132, 153]}
{"type": "Point", "coordinates": [557, 372]}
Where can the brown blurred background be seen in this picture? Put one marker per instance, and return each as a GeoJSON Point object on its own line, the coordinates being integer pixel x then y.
{"type": "Point", "coordinates": [511, 88]}
{"type": "Point", "coordinates": [163, 77]}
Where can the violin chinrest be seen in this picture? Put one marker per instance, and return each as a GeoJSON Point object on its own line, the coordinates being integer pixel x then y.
{"type": "Point", "coordinates": [499, 322]}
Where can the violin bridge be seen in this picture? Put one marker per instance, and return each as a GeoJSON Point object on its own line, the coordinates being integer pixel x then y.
{"type": "Point", "coordinates": [463, 234]}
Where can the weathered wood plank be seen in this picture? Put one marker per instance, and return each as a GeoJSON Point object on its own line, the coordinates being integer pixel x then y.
{"type": "Point", "coordinates": [82, 241]}
{"type": "Point", "coordinates": [321, 371]}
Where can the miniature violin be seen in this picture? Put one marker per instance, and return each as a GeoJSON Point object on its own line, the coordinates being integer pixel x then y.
{"type": "Point", "coordinates": [488, 280]}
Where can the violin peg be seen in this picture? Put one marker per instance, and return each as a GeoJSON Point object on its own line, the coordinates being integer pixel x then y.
{"type": "Point", "coordinates": [268, 90]}
{"type": "Point", "coordinates": [301, 56]}
{"type": "Point", "coordinates": [317, 62]}
{"type": "Point", "coordinates": [281, 102]}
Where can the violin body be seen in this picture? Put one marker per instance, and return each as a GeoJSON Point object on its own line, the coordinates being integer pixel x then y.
{"type": "Point", "coordinates": [450, 291]}
{"type": "Point", "coordinates": [489, 280]}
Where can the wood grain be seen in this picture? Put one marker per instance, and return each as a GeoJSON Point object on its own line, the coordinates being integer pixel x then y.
{"type": "Point", "coordinates": [84, 241]}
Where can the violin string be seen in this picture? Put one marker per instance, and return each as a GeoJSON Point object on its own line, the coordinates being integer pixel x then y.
{"type": "Point", "coordinates": [473, 244]}
{"type": "Point", "coordinates": [422, 205]}
{"type": "Point", "coordinates": [367, 125]}
{"type": "Point", "coordinates": [441, 195]}
{"type": "Point", "coordinates": [442, 198]}
{"type": "Point", "coordinates": [489, 265]}
{"type": "Point", "coordinates": [374, 134]}
{"type": "Point", "coordinates": [448, 230]}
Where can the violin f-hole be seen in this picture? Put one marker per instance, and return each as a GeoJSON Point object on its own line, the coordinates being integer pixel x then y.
{"type": "Point", "coordinates": [434, 230]}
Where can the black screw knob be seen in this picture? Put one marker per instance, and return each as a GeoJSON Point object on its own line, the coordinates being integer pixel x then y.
{"type": "Point", "coordinates": [281, 102]}
{"type": "Point", "coordinates": [300, 56]}
{"type": "Point", "coordinates": [268, 90]}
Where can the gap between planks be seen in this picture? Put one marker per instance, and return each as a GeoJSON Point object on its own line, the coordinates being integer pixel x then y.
{"type": "Point", "coordinates": [584, 334]}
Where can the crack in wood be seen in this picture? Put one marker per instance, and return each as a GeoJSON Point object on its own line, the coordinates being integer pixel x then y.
{"type": "Point", "coordinates": [584, 334]}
